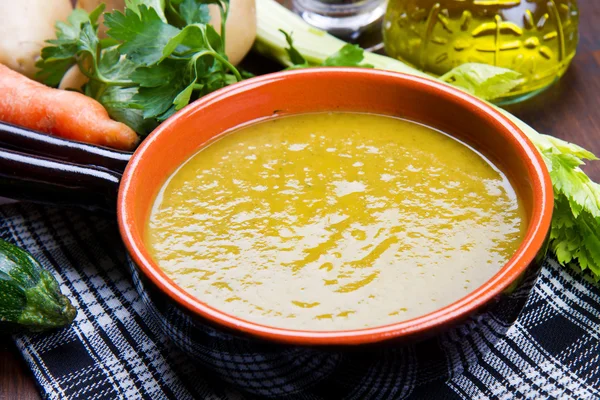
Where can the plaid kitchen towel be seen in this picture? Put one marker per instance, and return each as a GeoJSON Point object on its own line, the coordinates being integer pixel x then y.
{"type": "Point", "coordinates": [115, 350]}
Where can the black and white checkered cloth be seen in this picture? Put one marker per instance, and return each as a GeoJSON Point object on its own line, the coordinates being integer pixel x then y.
{"type": "Point", "coordinates": [114, 349]}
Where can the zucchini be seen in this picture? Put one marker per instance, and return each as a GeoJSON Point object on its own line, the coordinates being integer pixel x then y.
{"type": "Point", "coordinates": [30, 298]}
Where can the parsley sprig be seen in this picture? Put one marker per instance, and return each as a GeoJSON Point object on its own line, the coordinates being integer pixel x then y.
{"type": "Point", "coordinates": [159, 55]}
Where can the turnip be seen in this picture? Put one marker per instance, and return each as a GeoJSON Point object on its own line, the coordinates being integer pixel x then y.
{"type": "Point", "coordinates": [25, 25]}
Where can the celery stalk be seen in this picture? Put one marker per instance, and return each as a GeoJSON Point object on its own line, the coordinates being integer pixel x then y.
{"type": "Point", "coordinates": [575, 232]}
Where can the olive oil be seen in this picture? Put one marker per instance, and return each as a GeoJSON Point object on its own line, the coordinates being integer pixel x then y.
{"type": "Point", "coordinates": [537, 38]}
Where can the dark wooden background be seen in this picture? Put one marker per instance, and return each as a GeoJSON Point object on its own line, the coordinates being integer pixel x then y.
{"type": "Point", "coordinates": [569, 110]}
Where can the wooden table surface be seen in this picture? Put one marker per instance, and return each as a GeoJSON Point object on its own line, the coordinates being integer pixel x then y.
{"type": "Point", "coordinates": [569, 110]}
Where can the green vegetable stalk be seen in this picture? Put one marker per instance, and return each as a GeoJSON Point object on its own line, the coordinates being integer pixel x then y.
{"type": "Point", "coordinates": [575, 234]}
{"type": "Point", "coordinates": [30, 298]}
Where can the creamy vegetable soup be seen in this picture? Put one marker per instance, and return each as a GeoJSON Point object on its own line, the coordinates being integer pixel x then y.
{"type": "Point", "coordinates": [334, 221]}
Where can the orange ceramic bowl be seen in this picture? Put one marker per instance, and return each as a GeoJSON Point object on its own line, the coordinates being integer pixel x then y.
{"type": "Point", "coordinates": [316, 90]}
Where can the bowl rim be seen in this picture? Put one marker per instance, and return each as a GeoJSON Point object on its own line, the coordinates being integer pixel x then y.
{"type": "Point", "coordinates": [541, 215]}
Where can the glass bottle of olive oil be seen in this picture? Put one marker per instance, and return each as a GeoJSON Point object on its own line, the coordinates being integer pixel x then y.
{"type": "Point", "coordinates": [537, 38]}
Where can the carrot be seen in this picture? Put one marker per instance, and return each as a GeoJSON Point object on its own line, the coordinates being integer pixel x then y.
{"type": "Point", "coordinates": [62, 113]}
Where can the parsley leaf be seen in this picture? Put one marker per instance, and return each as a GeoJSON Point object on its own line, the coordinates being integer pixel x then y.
{"type": "Point", "coordinates": [143, 34]}
{"type": "Point", "coordinates": [162, 74]}
{"type": "Point", "coordinates": [70, 42]}
{"type": "Point", "coordinates": [114, 67]}
{"type": "Point", "coordinates": [117, 101]}
{"type": "Point", "coordinates": [296, 58]}
{"type": "Point", "coordinates": [350, 55]}
{"type": "Point", "coordinates": [52, 72]}
{"type": "Point", "coordinates": [157, 5]}
{"type": "Point", "coordinates": [193, 12]}
{"type": "Point", "coordinates": [157, 92]}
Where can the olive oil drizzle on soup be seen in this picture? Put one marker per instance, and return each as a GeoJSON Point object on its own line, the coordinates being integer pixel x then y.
{"type": "Point", "coordinates": [334, 221]}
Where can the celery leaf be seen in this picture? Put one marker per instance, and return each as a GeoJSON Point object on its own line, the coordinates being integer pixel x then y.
{"type": "Point", "coordinates": [484, 81]}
